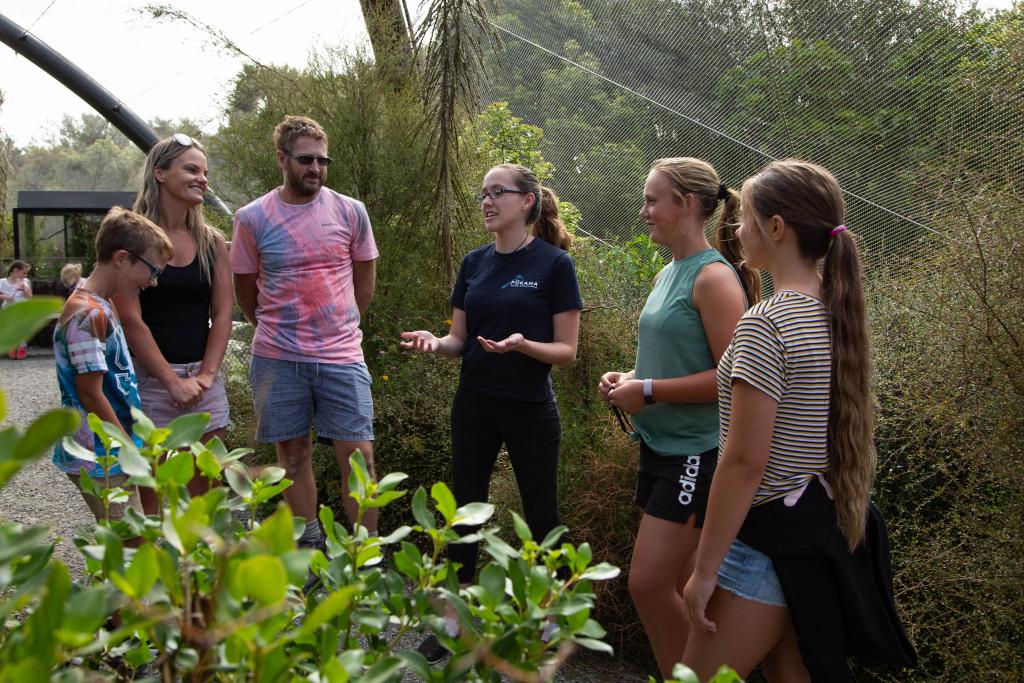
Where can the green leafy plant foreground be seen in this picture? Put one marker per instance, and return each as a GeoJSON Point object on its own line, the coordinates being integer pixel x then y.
{"type": "Point", "coordinates": [200, 591]}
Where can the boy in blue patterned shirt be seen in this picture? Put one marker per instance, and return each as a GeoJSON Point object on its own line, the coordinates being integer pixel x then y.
{"type": "Point", "coordinates": [94, 369]}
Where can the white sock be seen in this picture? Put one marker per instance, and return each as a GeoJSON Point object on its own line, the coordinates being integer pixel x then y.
{"type": "Point", "coordinates": [451, 626]}
{"type": "Point", "coordinates": [549, 631]}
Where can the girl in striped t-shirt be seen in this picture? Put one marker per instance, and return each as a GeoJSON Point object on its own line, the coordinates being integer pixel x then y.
{"type": "Point", "coordinates": [796, 409]}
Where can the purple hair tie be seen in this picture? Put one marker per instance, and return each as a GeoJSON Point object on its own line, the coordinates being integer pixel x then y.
{"type": "Point", "coordinates": [838, 229]}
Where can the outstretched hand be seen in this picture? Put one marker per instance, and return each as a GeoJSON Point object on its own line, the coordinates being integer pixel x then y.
{"type": "Point", "coordinates": [509, 343]}
{"type": "Point", "coordinates": [420, 340]}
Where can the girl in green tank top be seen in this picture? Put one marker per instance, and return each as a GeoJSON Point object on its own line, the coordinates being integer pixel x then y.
{"type": "Point", "coordinates": [671, 393]}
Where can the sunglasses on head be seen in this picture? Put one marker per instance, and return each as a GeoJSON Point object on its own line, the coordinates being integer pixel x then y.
{"type": "Point", "coordinates": [184, 140]}
{"type": "Point", "coordinates": [308, 159]}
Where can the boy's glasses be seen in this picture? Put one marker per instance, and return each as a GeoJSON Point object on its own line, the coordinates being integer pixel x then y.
{"type": "Point", "coordinates": [308, 159]}
{"type": "Point", "coordinates": [495, 193]}
{"type": "Point", "coordinates": [154, 272]}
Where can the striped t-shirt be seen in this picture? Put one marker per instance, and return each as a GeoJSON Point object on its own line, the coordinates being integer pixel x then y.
{"type": "Point", "coordinates": [783, 348]}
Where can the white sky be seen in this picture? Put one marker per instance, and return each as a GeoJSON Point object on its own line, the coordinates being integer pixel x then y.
{"type": "Point", "coordinates": [162, 68]}
{"type": "Point", "coordinates": [165, 68]}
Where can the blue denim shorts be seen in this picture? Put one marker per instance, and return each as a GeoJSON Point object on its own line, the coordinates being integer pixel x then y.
{"type": "Point", "coordinates": [750, 574]}
{"type": "Point", "coordinates": [289, 396]}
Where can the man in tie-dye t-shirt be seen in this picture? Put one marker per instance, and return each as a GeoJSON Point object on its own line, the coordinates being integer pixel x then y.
{"type": "Point", "coordinates": [303, 263]}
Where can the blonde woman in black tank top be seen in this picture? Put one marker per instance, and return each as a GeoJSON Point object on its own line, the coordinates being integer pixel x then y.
{"type": "Point", "coordinates": [178, 332]}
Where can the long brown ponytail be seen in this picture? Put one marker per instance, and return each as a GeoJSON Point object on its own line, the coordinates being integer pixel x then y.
{"type": "Point", "coordinates": [809, 200]}
{"type": "Point", "coordinates": [689, 175]}
{"type": "Point", "coordinates": [543, 217]}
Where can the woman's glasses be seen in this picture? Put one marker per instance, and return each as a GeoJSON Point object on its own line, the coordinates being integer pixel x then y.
{"type": "Point", "coordinates": [495, 193]}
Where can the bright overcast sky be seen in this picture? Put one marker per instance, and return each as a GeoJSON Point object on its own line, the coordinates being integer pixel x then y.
{"type": "Point", "coordinates": [160, 68]}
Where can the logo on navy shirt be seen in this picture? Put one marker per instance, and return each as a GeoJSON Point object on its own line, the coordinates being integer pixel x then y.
{"type": "Point", "coordinates": [519, 283]}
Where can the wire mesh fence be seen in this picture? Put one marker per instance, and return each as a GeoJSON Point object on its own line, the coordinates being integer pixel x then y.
{"type": "Point", "coordinates": [897, 99]}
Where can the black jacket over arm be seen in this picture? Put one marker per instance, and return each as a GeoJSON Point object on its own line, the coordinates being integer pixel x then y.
{"type": "Point", "coordinates": [841, 604]}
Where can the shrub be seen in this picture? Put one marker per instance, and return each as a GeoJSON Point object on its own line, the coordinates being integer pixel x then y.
{"type": "Point", "coordinates": [950, 381]}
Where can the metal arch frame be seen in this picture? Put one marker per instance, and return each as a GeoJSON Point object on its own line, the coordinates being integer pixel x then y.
{"type": "Point", "coordinates": [94, 94]}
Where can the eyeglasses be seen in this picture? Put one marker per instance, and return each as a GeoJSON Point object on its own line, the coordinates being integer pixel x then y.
{"type": "Point", "coordinates": [183, 140]}
{"type": "Point", "coordinates": [495, 193]}
{"type": "Point", "coordinates": [308, 159]}
{"type": "Point", "coordinates": [154, 272]}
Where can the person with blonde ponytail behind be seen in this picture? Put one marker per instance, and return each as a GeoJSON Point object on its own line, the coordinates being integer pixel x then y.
{"type": "Point", "coordinates": [516, 312]}
{"type": "Point", "coordinates": [792, 567]}
{"type": "Point", "coordinates": [685, 326]}
{"type": "Point", "coordinates": [178, 332]}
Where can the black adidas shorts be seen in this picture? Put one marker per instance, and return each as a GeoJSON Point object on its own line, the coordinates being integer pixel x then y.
{"type": "Point", "coordinates": [675, 487]}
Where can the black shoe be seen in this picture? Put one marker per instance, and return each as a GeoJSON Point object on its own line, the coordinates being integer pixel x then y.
{"type": "Point", "coordinates": [432, 649]}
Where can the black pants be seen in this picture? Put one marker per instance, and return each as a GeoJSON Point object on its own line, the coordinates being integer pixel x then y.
{"type": "Point", "coordinates": [531, 431]}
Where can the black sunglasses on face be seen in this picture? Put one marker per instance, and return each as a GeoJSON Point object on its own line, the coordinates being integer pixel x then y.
{"type": "Point", "coordinates": [495, 193]}
{"type": "Point", "coordinates": [154, 272]}
{"type": "Point", "coordinates": [308, 159]}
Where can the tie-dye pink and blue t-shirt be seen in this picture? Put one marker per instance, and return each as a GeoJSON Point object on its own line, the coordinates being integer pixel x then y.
{"type": "Point", "coordinates": [302, 255]}
{"type": "Point", "coordinates": [88, 338]}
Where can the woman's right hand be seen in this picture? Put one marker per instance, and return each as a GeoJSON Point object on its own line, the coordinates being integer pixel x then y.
{"type": "Point", "coordinates": [185, 391]}
{"type": "Point", "coordinates": [608, 382]}
{"type": "Point", "coordinates": [420, 340]}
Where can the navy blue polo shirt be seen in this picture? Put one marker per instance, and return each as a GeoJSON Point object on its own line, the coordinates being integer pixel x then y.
{"type": "Point", "coordinates": [507, 293]}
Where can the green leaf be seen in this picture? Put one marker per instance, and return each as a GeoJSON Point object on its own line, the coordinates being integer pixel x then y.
{"type": "Point", "coordinates": [396, 535]}
{"type": "Point", "coordinates": [186, 429]}
{"type": "Point", "coordinates": [725, 675]}
{"type": "Point", "coordinates": [272, 475]}
{"type": "Point", "coordinates": [44, 432]}
{"type": "Point", "coordinates": [419, 510]}
{"type": "Point", "coordinates": [263, 578]}
{"type": "Point", "coordinates": [601, 572]}
{"type": "Point", "coordinates": [238, 479]}
{"type": "Point", "coordinates": [178, 469]}
{"type": "Point", "coordinates": [390, 480]}
{"type": "Point", "coordinates": [208, 464]}
{"type": "Point", "coordinates": [333, 605]}
{"type": "Point", "coordinates": [132, 463]}
{"type": "Point", "coordinates": [73, 448]}
{"type": "Point", "coordinates": [143, 570]}
{"type": "Point", "coordinates": [596, 645]}
{"type": "Point", "coordinates": [382, 499]}
{"type": "Point", "coordinates": [684, 674]}
{"type": "Point", "coordinates": [492, 580]}
{"type": "Point", "coordinates": [473, 514]}
{"type": "Point", "coordinates": [18, 322]}
{"type": "Point", "coordinates": [142, 426]}
{"type": "Point", "coordinates": [445, 501]}
{"type": "Point", "coordinates": [86, 611]}
{"type": "Point", "coordinates": [521, 528]}
{"type": "Point", "coordinates": [551, 540]}
{"type": "Point", "coordinates": [383, 671]}
{"type": "Point", "coordinates": [275, 532]}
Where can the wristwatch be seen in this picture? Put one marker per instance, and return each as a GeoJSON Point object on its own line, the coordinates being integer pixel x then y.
{"type": "Point", "coordinates": [649, 391]}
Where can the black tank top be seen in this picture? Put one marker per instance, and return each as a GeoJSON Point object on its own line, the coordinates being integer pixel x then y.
{"type": "Point", "coordinates": [177, 312]}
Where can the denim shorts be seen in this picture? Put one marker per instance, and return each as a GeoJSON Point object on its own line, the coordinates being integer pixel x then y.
{"type": "Point", "coordinates": [289, 395]}
{"type": "Point", "coordinates": [750, 574]}
{"type": "Point", "coordinates": [158, 405]}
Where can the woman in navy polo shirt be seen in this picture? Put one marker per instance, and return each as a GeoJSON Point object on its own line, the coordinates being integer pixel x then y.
{"type": "Point", "coordinates": [516, 312]}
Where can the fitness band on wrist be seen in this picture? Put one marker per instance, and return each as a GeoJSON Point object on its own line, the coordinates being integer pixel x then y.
{"type": "Point", "coordinates": [649, 391]}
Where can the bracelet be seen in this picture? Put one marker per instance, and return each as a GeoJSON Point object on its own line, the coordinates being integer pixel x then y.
{"type": "Point", "coordinates": [649, 391]}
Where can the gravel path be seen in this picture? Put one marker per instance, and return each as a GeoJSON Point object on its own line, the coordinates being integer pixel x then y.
{"type": "Point", "coordinates": [41, 494]}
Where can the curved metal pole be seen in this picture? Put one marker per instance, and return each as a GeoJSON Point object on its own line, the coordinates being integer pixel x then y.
{"type": "Point", "coordinates": [83, 85]}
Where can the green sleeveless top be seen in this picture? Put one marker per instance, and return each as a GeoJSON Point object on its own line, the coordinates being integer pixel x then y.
{"type": "Point", "coordinates": [672, 343]}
